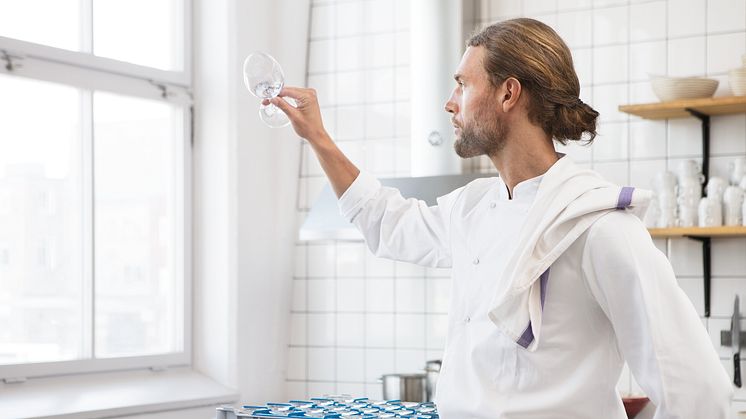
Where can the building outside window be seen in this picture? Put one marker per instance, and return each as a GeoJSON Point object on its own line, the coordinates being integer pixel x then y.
{"type": "Point", "coordinates": [95, 151]}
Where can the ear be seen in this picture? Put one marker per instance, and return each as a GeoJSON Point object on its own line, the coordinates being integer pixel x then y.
{"type": "Point", "coordinates": [511, 93]}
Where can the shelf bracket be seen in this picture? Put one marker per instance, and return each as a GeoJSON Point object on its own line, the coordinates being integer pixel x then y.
{"type": "Point", "coordinates": [726, 338]}
{"type": "Point", "coordinates": [706, 241]}
{"type": "Point", "coordinates": [707, 267]}
{"type": "Point", "coordinates": [705, 141]}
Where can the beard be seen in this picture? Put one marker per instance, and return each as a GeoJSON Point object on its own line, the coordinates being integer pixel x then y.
{"type": "Point", "coordinates": [487, 137]}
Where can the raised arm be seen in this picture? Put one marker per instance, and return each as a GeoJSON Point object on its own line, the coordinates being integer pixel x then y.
{"type": "Point", "coordinates": [394, 228]}
{"type": "Point", "coordinates": [307, 123]}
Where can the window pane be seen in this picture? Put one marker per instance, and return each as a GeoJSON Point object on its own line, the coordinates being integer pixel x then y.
{"type": "Point", "coordinates": [139, 303]}
{"type": "Point", "coordinates": [41, 207]}
{"type": "Point", "coordinates": [144, 32]}
{"type": "Point", "coordinates": [50, 22]}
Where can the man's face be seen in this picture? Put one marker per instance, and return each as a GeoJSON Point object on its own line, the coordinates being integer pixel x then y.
{"type": "Point", "coordinates": [480, 126]}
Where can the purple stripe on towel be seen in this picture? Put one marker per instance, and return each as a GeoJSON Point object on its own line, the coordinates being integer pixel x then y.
{"type": "Point", "coordinates": [625, 197]}
{"type": "Point", "coordinates": [543, 286]}
{"type": "Point", "coordinates": [528, 335]}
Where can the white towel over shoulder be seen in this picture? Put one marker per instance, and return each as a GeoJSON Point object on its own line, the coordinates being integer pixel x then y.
{"type": "Point", "coordinates": [569, 200]}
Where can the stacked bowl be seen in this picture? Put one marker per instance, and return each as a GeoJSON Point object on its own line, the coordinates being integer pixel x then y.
{"type": "Point", "coordinates": [737, 79]}
{"type": "Point", "coordinates": [675, 88]}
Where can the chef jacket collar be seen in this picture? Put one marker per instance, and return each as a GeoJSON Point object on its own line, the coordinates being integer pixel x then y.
{"type": "Point", "coordinates": [524, 191]}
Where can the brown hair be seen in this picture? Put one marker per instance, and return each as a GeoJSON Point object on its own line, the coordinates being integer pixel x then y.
{"type": "Point", "coordinates": [533, 53]}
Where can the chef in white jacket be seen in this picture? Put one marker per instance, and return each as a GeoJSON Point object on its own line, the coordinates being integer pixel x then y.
{"type": "Point", "coordinates": [555, 280]}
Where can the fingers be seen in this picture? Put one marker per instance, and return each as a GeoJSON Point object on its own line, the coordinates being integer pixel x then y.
{"type": "Point", "coordinates": [293, 92]}
{"type": "Point", "coordinates": [281, 103]}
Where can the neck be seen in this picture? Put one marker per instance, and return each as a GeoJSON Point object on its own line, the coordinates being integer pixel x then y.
{"type": "Point", "coordinates": [525, 155]}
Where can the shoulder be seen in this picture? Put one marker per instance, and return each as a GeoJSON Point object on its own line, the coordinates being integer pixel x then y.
{"type": "Point", "coordinates": [479, 186]}
{"type": "Point", "coordinates": [483, 182]}
{"type": "Point", "coordinates": [617, 222]}
{"type": "Point", "coordinates": [476, 188]}
{"type": "Point", "coordinates": [617, 231]}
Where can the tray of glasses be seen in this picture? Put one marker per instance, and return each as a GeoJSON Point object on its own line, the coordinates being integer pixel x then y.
{"type": "Point", "coordinates": [332, 407]}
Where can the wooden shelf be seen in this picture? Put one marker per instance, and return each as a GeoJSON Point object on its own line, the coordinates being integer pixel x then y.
{"type": "Point", "coordinates": [680, 108]}
{"type": "Point", "coordinates": [698, 232]}
{"type": "Point", "coordinates": [701, 109]}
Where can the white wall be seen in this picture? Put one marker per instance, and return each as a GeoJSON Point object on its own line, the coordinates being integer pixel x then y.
{"type": "Point", "coordinates": [267, 179]}
{"type": "Point", "coordinates": [245, 193]}
{"type": "Point", "coordinates": [355, 317]}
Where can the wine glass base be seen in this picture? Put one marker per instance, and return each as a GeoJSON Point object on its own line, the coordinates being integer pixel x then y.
{"type": "Point", "coordinates": [273, 116]}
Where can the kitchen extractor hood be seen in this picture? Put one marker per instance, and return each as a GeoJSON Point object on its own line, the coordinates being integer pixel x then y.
{"type": "Point", "coordinates": [436, 44]}
{"type": "Point", "coordinates": [324, 222]}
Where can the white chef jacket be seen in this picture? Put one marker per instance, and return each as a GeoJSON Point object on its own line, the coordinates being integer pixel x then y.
{"type": "Point", "coordinates": [603, 301]}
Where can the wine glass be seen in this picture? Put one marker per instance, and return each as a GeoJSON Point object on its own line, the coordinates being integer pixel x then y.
{"type": "Point", "coordinates": [263, 77]}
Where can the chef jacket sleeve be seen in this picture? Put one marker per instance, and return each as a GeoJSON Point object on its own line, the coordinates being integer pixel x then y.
{"type": "Point", "coordinates": [658, 331]}
{"type": "Point", "coordinates": [397, 228]}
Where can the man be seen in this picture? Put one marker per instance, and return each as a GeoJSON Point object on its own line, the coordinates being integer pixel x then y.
{"type": "Point", "coordinates": [556, 282]}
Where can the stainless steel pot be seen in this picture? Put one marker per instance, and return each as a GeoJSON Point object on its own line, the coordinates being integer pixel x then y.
{"type": "Point", "coordinates": [404, 387]}
{"type": "Point", "coordinates": [432, 370]}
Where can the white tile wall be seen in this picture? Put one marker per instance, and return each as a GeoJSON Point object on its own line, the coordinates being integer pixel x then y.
{"type": "Point", "coordinates": [349, 18]}
{"type": "Point", "coordinates": [350, 365]}
{"type": "Point", "coordinates": [611, 142]}
{"type": "Point", "coordinates": [379, 295]}
{"type": "Point", "coordinates": [686, 18]}
{"type": "Point", "coordinates": [610, 25]}
{"type": "Point", "coordinates": [350, 53]}
{"type": "Point", "coordinates": [379, 330]}
{"type": "Point", "coordinates": [350, 295]}
{"type": "Point", "coordinates": [646, 59]}
{"type": "Point", "coordinates": [410, 360]}
{"type": "Point", "coordinates": [410, 295]}
{"type": "Point", "coordinates": [726, 15]}
{"type": "Point", "coordinates": [686, 56]}
{"type": "Point", "coordinates": [356, 317]}
{"type": "Point", "coordinates": [610, 64]}
{"type": "Point", "coordinates": [575, 28]}
{"type": "Point", "coordinates": [321, 295]}
{"type": "Point", "coordinates": [351, 329]}
{"type": "Point", "coordinates": [378, 362]}
{"type": "Point", "coordinates": [645, 21]}
{"type": "Point", "coordinates": [647, 139]}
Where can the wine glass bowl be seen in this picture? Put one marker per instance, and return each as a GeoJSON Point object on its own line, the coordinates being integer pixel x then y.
{"type": "Point", "coordinates": [264, 78]}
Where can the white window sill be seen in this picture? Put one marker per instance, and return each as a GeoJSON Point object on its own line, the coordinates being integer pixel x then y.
{"type": "Point", "coordinates": [111, 394]}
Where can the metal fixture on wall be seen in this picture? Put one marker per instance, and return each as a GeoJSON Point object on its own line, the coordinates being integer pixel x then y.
{"type": "Point", "coordinates": [436, 44]}
{"type": "Point", "coordinates": [324, 221]}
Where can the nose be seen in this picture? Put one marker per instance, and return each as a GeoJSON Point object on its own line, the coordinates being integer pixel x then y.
{"type": "Point", "coordinates": [451, 105]}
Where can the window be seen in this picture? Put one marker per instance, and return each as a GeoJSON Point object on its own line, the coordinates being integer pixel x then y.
{"type": "Point", "coordinates": [144, 32]}
{"type": "Point", "coordinates": [95, 151]}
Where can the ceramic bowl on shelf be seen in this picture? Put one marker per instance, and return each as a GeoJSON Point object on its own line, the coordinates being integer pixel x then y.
{"type": "Point", "coordinates": [737, 80]}
{"type": "Point", "coordinates": [674, 88]}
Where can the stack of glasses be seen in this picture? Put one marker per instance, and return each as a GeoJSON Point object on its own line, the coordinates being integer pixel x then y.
{"type": "Point", "coordinates": [331, 407]}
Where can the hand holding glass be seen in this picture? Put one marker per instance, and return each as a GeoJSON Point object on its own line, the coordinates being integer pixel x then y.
{"type": "Point", "coordinates": [263, 77]}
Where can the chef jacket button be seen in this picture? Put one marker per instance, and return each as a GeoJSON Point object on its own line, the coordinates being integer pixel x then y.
{"type": "Point", "coordinates": [467, 319]}
{"type": "Point", "coordinates": [475, 261]}
{"type": "Point", "coordinates": [493, 204]}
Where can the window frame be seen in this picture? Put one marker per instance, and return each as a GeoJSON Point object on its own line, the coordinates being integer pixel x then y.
{"type": "Point", "coordinates": [90, 73]}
